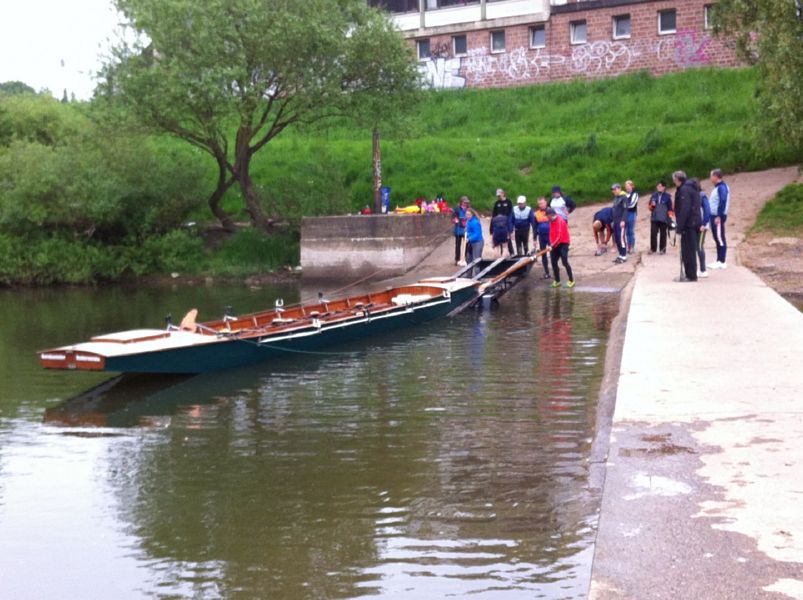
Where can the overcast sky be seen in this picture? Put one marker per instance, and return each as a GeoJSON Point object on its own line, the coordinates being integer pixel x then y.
{"type": "Point", "coordinates": [36, 36]}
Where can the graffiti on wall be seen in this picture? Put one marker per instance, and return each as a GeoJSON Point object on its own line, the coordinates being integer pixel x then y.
{"type": "Point", "coordinates": [687, 48]}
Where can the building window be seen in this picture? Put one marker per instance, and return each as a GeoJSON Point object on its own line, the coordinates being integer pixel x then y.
{"type": "Point", "coordinates": [396, 6]}
{"type": "Point", "coordinates": [423, 49]}
{"type": "Point", "coordinates": [459, 45]}
{"type": "Point", "coordinates": [538, 37]}
{"type": "Point", "coordinates": [667, 20]}
{"type": "Point", "coordinates": [621, 27]}
{"type": "Point", "coordinates": [578, 32]}
{"type": "Point", "coordinates": [708, 22]}
{"type": "Point", "coordinates": [498, 41]}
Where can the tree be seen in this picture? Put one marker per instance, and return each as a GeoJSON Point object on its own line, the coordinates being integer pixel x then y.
{"type": "Point", "coordinates": [228, 76]}
{"type": "Point", "coordinates": [769, 34]}
{"type": "Point", "coordinates": [14, 88]}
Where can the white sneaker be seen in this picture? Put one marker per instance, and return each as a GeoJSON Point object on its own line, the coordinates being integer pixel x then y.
{"type": "Point", "coordinates": [702, 274]}
{"type": "Point", "coordinates": [723, 265]}
{"type": "Point", "coordinates": [713, 265]}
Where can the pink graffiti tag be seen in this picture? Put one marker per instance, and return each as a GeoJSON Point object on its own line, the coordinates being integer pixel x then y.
{"type": "Point", "coordinates": [691, 51]}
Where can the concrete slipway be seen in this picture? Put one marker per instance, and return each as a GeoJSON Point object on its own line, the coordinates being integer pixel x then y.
{"type": "Point", "coordinates": [703, 492]}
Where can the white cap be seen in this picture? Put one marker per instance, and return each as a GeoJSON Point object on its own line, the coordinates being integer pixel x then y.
{"type": "Point", "coordinates": [521, 199]}
{"type": "Point", "coordinates": [499, 191]}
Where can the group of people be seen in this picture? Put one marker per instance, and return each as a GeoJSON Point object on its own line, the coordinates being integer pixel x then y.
{"type": "Point", "coordinates": [691, 214]}
{"type": "Point", "coordinates": [513, 223]}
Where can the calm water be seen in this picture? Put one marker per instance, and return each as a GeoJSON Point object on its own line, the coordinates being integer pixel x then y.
{"type": "Point", "coordinates": [446, 461]}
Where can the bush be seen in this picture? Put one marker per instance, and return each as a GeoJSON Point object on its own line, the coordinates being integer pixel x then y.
{"type": "Point", "coordinates": [252, 251]}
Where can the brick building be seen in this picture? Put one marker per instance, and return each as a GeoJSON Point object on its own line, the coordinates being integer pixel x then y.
{"type": "Point", "coordinates": [496, 43]}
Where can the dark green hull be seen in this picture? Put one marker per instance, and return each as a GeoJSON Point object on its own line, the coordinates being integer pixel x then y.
{"type": "Point", "coordinates": [234, 352]}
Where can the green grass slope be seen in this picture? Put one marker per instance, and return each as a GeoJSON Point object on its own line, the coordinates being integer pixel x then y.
{"type": "Point", "coordinates": [582, 135]}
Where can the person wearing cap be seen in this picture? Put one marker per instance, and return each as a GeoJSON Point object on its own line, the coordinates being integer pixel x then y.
{"type": "Point", "coordinates": [661, 215]}
{"type": "Point", "coordinates": [618, 220]}
{"type": "Point", "coordinates": [632, 213]}
{"type": "Point", "coordinates": [601, 224]}
{"type": "Point", "coordinates": [542, 227]}
{"type": "Point", "coordinates": [504, 206]}
{"type": "Point", "coordinates": [689, 218]}
{"type": "Point", "coordinates": [559, 247]}
{"type": "Point", "coordinates": [523, 222]}
{"type": "Point", "coordinates": [459, 218]}
{"type": "Point", "coordinates": [562, 203]}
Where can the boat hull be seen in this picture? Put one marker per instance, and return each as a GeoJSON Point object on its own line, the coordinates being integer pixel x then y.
{"type": "Point", "coordinates": [234, 351]}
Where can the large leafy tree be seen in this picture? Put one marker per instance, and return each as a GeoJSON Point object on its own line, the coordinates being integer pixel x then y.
{"type": "Point", "coordinates": [769, 33]}
{"type": "Point", "coordinates": [228, 76]}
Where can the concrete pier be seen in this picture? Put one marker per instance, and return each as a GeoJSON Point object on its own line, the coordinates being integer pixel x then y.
{"type": "Point", "coordinates": [349, 247]}
{"type": "Point", "coordinates": [703, 497]}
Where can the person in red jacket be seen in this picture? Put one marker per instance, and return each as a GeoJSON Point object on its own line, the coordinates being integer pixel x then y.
{"type": "Point", "coordinates": [559, 247]}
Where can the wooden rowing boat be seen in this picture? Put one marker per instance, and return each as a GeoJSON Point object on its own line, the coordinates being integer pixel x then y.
{"type": "Point", "coordinates": [232, 341]}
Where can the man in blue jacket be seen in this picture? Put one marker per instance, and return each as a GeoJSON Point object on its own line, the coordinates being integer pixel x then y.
{"type": "Point", "coordinates": [523, 222]}
{"type": "Point", "coordinates": [720, 203]}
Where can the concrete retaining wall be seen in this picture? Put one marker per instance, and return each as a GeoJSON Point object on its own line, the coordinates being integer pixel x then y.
{"type": "Point", "coordinates": [349, 247]}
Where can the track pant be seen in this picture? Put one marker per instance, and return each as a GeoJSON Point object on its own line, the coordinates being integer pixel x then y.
{"type": "Point", "coordinates": [630, 229]}
{"type": "Point", "coordinates": [561, 251]}
{"type": "Point", "coordinates": [522, 241]}
{"type": "Point", "coordinates": [543, 242]}
{"type": "Point", "coordinates": [658, 229]}
{"type": "Point", "coordinates": [701, 250]}
{"type": "Point", "coordinates": [458, 247]}
{"type": "Point", "coordinates": [718, 232]}
{"type": "Point", "coordinates": [474, 250]}
{"type": "Point", "coordinates": [688, 253]}
{"type": "Point", "coordinates": [619, 238]}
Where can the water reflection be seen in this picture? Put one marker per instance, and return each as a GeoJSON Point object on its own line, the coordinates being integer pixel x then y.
{"type": "Point", "coordinates": [446, 460]}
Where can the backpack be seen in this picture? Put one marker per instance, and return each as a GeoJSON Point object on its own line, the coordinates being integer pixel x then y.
{"type": "Point", "coordinates": [570, 204]}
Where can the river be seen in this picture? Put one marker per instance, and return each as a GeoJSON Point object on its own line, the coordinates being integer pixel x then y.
{"type": "Point", "coordinates": [449, 460]}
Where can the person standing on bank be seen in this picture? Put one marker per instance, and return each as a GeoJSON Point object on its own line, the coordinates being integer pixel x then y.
{"type": "Point", "coordinates": [523, 222]}
{"type": "Point", "coordinates": [559, 247]}
{"type": "Point", "coordinates": [705, 212]}
{"type": "Point", "coordinates": [689, 218]}
{"type": "Point", "coordinates": [660, 209]}
{"type": "Point", "coordinates": [562, 204]}
{"type": "Point", "coordinates": [720, 203]}
{"type": "Point", "coordinates": [542, 221]}
{"type": "Point", "coordinates": [504, 206]}
{"type": "Point", "coordinates": [632, 213]}
{"type": "Point", "coordinates": [473, 236]}
{"type": "Point", "coordinates": [459, 219]}
{"type": "Point", "coordinates": [618, 221]}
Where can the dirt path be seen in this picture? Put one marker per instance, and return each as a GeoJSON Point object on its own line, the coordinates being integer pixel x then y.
{"type": "Point", "coordinates": [779, 263]}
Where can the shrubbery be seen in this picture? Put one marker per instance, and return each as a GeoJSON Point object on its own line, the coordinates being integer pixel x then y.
{"type": "Point", "coordinates": [784, 213]}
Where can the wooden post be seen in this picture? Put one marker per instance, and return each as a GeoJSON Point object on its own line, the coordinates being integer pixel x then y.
{"type": "Point", "coordinates": [377, 164]}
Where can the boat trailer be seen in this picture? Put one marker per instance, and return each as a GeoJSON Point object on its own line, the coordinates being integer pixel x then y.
{"type": "Point", "coordinates": [498, 276]}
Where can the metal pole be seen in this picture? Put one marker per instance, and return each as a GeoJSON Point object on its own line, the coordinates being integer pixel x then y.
{"type": "Point", "coordinates": [482, 10]}
{"type": "Point", "coordinates": [421, 13]}
{"type": "Point", "coordinates": [377, 164]}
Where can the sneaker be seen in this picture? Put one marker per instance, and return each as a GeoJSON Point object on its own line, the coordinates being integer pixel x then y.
{"type": "Point", "coordinates": [663, 251]}
{"type": "Point", "coordinates": [620, 259]}
{"type": "Point", "coordinates": [723, 265]}
{"type": "Point", "coordinates": [599, 252]}
{"type": "Point", "coordinates": [555, 284]}
{"type": "Point", "coordinates": [702, 274]}
{"type": "Point", "coordinates": [716, 265]}
{"type": "Point", "coordinates": [547, 276]}
{"type": "Point", "coordinates": [652, 251]}
{"type": "Point", "coordinates": [571, 284]}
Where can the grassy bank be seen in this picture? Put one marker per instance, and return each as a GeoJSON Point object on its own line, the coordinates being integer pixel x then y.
{"type": "Point", "coordinates": [783, 215]}
{"type": "Point", "coordinates": [583, 135]}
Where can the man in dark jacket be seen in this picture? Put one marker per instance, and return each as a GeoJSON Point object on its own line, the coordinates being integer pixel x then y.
{"type": "Point", "coordinates": [689, 218]}
{"type": "Point", "coordinates": [504, 206]}
{"type": "Point", "coordinates": [660, 209]}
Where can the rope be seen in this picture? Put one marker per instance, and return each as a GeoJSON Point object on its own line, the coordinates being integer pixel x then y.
{"type": "Point", "coordinates": [358, 281]}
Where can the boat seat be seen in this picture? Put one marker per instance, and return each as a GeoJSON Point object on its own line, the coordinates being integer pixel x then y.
{"type": "Point", "coordinates": [281, 321]}
{"type": "Point", "coordinates": [188, 322]}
